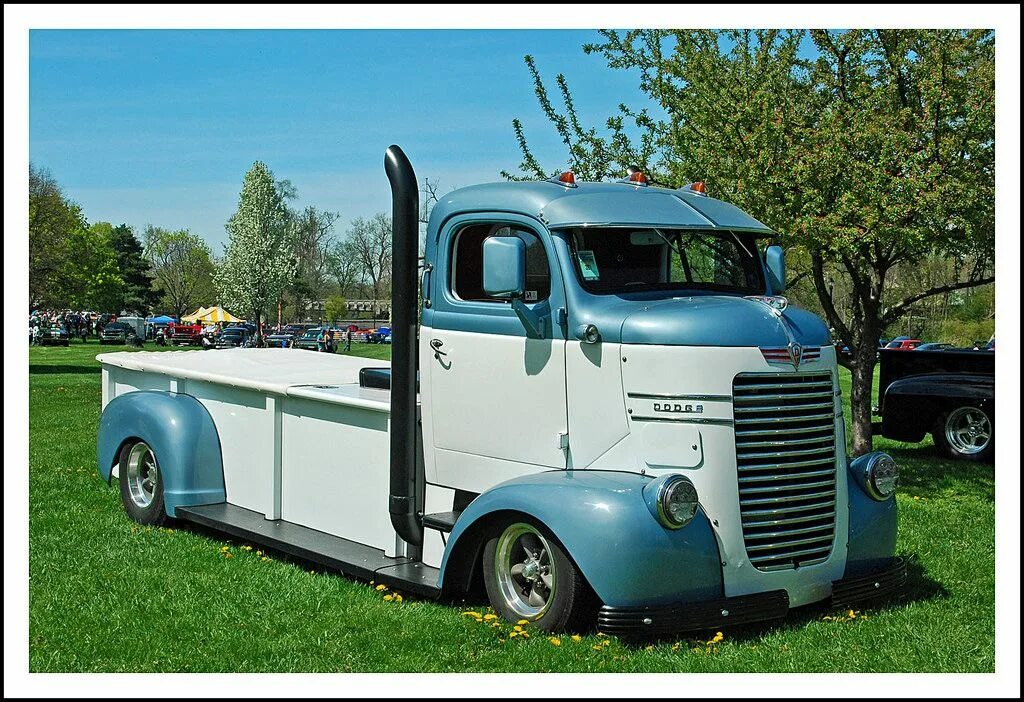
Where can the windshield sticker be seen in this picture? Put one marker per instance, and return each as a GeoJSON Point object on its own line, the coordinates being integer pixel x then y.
{"type": "Point", "coordinates": [530, 295]}
{"type": "Point", "coordinates": [588, 265]}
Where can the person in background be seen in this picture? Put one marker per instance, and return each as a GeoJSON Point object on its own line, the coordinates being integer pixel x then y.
{"type": "Point", "coordinates": [348, 339]}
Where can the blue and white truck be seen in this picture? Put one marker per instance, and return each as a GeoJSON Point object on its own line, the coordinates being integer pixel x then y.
{"type": "Point", "coordinates": [599, 407]}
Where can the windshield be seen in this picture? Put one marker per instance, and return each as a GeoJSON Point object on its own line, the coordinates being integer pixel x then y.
{"type": "Point", "coordinates": [311, 334]}
{"type": "Point", "coordinates": [622, 260]}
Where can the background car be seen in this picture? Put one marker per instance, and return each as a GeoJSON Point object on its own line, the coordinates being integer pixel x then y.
{"type": "Point", "coordinates": [55, 335]}
{"type": "Point", "coordinates": [934, 346]}
{"type": "Point", "coordinates": [116, 333]}
{"type": "Point", "coordinates": [232, 337]}
{"type": "Point", "coordinates": [904, 344]}
{"type": "Point", "coordinates": [308, 339]}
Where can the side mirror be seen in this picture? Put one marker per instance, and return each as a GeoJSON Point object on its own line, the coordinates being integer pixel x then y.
{"type": "Point", "coordinates": [504, 267]}
{"type": "Point", "coordinates": [775, 262]}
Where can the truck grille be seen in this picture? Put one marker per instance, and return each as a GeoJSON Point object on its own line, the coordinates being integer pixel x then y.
{"type": "Point", "coordinates": [786, 461]}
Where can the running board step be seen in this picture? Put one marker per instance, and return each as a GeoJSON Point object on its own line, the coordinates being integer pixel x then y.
{"type": "Point", "coordinates": [351, 558]}
{"type": "Point", "coordinates": [441, 521]}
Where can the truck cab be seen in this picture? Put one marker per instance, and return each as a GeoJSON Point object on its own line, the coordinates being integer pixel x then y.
{"type": "Point", "coordinates": [599, 405]}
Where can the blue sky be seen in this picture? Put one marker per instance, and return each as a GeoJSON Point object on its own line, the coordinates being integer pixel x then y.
{"type": "Point", "coordinates": [160, 126]}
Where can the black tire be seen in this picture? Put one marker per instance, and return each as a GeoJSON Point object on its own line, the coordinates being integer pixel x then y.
{"type": "Point", "coordinates": [570, 605]}
{"type": "Point", "coordinates": [949, 445]}
{"type": "Point", "coordinates": [150, 512]}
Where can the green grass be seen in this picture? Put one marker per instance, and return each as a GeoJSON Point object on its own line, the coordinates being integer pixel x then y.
{"type": "Point", "coordinates": [108, 595]}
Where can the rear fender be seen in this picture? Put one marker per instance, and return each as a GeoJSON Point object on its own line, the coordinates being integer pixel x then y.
{"type": "Point", "coordinates": [182, 435]}
{"type": "Point", "coordinates": [606, 527]}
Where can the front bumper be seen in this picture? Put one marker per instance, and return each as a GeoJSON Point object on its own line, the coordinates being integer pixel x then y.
{"type": "Point", "coordinates": [745, 609]}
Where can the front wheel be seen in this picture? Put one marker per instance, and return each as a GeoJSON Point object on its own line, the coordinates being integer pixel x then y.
{"type": "Point", "coordinates": [142, 489]}
{"type": "Point", "coordinates": [529, 576]}
{"type": "Point", "coordinates": [966, 433]}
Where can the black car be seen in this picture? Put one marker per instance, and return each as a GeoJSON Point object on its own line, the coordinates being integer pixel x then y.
{"type": "Point", "coordinates": [233, 337]}
{"type": "Point", "coordinates": [949, 393]}
{"type": "Point", "coordinates": [116, 333]}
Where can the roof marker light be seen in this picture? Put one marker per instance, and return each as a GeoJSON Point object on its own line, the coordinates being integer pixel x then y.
{"type": "Point", "coordinates": [697, 188]}
{"type": "Point", "coordinates": [638, 177]}
{"type": "Point", "coordinates": [567, 179]}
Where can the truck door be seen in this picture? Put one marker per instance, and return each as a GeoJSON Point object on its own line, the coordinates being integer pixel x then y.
{"type": "Point", "coordinates": [497, 397]}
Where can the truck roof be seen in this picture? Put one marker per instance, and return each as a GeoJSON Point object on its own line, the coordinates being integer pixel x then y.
{"type": "Point", "coordinates": [597, 204]}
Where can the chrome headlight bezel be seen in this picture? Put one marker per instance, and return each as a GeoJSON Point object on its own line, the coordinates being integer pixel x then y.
{"type": "Point", "coordinates": [881, 477]}
{"type": "Point", "coordinates": [670, 490]}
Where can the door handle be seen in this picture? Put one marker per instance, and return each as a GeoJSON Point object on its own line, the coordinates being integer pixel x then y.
{"type": "Point", "coordinates": [436, 344]}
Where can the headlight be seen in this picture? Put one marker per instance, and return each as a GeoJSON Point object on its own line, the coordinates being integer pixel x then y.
{"type": "Point", "coordinates": [881, 476]}
{"type": "Point", "coordinates": [677, 502]}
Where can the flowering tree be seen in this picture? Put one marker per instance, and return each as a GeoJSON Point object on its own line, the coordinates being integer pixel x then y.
{"type": "Point", "coordinates": [259, 258]}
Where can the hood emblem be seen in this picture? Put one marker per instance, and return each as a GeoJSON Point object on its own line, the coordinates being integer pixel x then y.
{"type": "Point", "coordinates": [796, 353]}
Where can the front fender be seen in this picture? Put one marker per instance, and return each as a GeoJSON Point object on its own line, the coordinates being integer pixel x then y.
{"type": "Point", "coordinates": [606, 527]}
{"type": "Point", "coordinates": [182, 435]}
{"type": "Point", "coordinates": [872, 525]}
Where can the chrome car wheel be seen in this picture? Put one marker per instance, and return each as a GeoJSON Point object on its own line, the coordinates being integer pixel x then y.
{"type": "Point", "coordinates": [142, 474]}
{"type": "Point", "coordinates": [524, 571]}
{"type": "Point", "coordinates": [968, 430]}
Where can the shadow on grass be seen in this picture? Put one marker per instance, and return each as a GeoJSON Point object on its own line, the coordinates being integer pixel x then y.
{"type": "Point", "coordinates": [60, 369]}
{"type": "Point", "coordinates": [924, 472]}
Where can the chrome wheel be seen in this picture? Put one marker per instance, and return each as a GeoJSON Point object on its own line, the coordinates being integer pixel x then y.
{"type": "Point", "coordinates": [142, 475]}
{"type": "Point", "coordinates": [524, 571]}
{"type": "Point", "coordinates": [968, 430]}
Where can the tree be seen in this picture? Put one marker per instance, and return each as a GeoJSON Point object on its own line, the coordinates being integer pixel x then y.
{"type": "Point", "coordinates": [343, 264]}
{"type": "Point", "coordinates": [871, 156]}
{"type": "Point", "coordinates": [335, 308]}
{"type": "Point", "coordinates": [137, 294]}
{"type": "Point", "coordinates": [370, 241]}
{"type": "Point", "coordinates": [313, 242]}
{"type": "Point", "coordinates": [259, 259]}
{"type": "Point", "coordinates": [182, 268]}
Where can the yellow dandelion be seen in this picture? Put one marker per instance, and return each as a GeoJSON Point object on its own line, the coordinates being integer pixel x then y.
{"type": "Point", "coordinates": [517, 628]}
{"type": "Point", "coordinates": [381, 588]}
{"type": "Point", "coordinates": [247, 548]}
{"type": "Point", "coordinates": [259, 553]}
{"type": "Point", "coordinates": [851, 614]}
{"type": "Point", "coordinates": [228, 555]}
{"type": "Point", "coordinates": [596, 648]}
{"type": "Point", "coordinates": [601, 634]}
{"type": "Point", "coordinates": [496, 625]}
{"type": "Point", "coordinates": [513, 634]}
{"type": "Point", "coordinates": [224, 549]}
{"type": "Point", "coordinates": [398, 598]}
{"type": "Point", "coordinates": [555, 641]}
{"type": "Point", "coordinates": [522, 622]}
{"type": "Point", "coordinates": [388, 598]}
{"type": "Point", "coordinates": [470, 613]}
{"type": "Point", "coordinates": [576, 637]}
{"type": "Point", "coordinates": [606, 642]}
{"type": "Point", "coordinates": [649, 648]}
{"type": "Point", "coordinates": [170, 531]}
{"type": "Point", "coordinates": [264, 559]}
{"type": "Point", "coordinates": [489, 617]}
{"type": "Point", "coordinates": [524, 634]}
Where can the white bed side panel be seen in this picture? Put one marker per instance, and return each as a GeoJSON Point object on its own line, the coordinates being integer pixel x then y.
{"type": "Point", "coordinates": [245, 425]}
{"type": "Point", "coordinates": [335, 471]}
{"type": "Point", "coordinates": [123, 380]}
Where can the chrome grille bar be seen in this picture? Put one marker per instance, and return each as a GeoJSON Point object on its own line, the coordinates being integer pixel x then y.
{"type": "Point", "coordinates": [786, 461]}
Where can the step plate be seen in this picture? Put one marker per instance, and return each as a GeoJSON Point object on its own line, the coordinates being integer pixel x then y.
{"type": "Point", "coordinates": [351, 558]}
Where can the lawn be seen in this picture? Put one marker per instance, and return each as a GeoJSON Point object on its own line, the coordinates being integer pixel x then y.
{"type": "Point", "coordinates": [108, 595]}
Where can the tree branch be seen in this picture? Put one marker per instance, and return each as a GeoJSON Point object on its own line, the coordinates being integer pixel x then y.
{"type": "Point", "coordinates": [894, 313]}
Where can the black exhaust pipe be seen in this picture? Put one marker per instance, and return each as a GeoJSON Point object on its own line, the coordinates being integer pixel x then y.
{"type": "Point", "coordinates": [405, 208]}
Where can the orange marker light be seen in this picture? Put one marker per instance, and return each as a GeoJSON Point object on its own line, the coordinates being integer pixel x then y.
{"type": "Point", "coordinates": [699, 187]}
{"type": "Point", "coordinates": [637, 177]}
{"type": "Point", "coordinates": [569, 178]}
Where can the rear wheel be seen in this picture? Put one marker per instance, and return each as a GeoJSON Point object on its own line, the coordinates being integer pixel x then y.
{"type": "Point", "coordinates": [529, 576]}
{"type": "Point", "coordinates": [965, 433]}
{"type": "Point", "coordinates": [142, 489]}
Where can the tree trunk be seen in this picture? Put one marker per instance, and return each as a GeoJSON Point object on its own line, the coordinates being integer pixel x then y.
{"type": "Point", "coordinates": [862, 379]}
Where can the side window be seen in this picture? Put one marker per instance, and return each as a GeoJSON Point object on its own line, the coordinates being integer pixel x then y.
{"type": "Point", "coordinates": [468, 270]}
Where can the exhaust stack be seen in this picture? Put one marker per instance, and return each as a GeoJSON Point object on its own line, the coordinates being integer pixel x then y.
{"type": "Point", "coordinates": [402, 503]}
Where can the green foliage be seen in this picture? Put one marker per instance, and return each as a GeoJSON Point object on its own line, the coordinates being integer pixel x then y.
{"type": "Point", "coordinates": [182, 269]}
{"type": "Point", "coordinates": [138, 293]}
{"type": "Point", "coordinates": [335, 308]}
{"type": "Point", "coordinates": [70, 264]}
{"type": "Point", "coordinates": [259, 259]}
